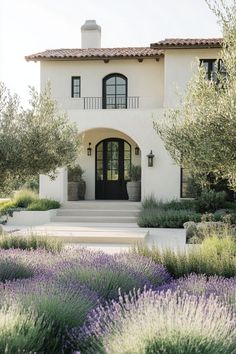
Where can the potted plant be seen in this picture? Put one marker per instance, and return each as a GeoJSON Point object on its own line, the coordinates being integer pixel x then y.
{"type": "Point", "coordinates": [134, 185]}
{"type": "Point", "coordinates": [76, 184]}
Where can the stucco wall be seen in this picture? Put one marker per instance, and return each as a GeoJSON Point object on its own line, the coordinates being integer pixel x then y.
{"type": "Point", "coordinates": [158, 85]}
{"type": "Point", "coordinates": [179, 67]}
{"type": "Point", "coordinates": [145, 79]}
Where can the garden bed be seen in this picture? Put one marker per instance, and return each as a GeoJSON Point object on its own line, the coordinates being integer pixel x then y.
{"type": "Point", "coordinates": [27, 209]}
{"type": "Point", "coordinates": [210, 206]}
{"type": "Point", "coordinates": [55, 300]}
{"type": "Point", "coordinates": [31, 218]}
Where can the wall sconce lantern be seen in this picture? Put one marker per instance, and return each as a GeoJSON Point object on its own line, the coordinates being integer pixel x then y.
{"type": "Point", "coordinates": [89, 150]}
{"type": "Point", "coordinates": [136, 150]}
{"type": "Point", "coordinates": [150, 157]}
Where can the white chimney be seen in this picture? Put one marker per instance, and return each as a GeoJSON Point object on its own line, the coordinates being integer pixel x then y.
{"type": "Point", "coordinates": [90, 35]}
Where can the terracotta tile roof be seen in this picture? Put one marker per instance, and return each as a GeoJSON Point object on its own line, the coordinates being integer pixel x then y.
{"type": "Point", "coordinates": [95, 53]}
{"type": "Point", "coordinates": [188, 43]}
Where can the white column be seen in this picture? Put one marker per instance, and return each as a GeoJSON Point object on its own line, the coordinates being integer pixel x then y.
{"type": "Point", "coordinates": [54, 189]}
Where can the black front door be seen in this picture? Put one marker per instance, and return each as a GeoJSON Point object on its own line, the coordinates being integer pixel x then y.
{"type": "Point", "coordinates": [113, 159]}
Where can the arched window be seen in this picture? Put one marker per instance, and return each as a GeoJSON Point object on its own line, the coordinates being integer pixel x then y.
{"type": "Point", "coordinates": [114, 91]}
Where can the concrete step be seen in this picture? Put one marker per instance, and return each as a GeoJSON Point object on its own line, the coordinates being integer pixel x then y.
{"type": "Point", "coordinates": [103, 205]}
{"type": "Point", "coordinates": [97, 212]}
{"type": "Point", "coordinates": [92, 226]}
{"type": "Point", "coordinates": [89, 235]}
{"type": "Point", "coordinates": [95, 219]}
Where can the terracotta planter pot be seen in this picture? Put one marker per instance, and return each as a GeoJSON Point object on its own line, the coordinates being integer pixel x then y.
{"type": "Point", "coordinates": [134, 191]}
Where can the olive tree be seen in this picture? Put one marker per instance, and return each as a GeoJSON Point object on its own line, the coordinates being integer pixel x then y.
{"type": "Point", "coordinates": [35, 140]}
{"type": "Point", "coordinates": [200, 134]}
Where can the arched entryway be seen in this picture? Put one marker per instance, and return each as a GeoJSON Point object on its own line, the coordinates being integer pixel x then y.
{"type": "Point", "coordinates": [112, 169]}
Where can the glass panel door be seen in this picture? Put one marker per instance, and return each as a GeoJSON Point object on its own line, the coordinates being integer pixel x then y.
{"type": "Point", "coordinates": [113, 160]}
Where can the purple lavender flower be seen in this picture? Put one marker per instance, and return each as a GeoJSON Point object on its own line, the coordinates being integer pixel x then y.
{"type": "Point", "coordinates": [157, 274]}
{"type": "Point", "coordinates": [153, 322]}
{"type": "Point", "coordinates": [106, 274]}
{"type": "Point", "coordinates": [199, 285]}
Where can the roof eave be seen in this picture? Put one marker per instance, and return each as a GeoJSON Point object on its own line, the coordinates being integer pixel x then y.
{"type": "Point", "coordinates": [36, 59]}
{"type": "Point", "coordinates": [196, 46]}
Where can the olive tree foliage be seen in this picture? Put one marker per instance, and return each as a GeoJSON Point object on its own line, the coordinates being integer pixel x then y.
{"type": "Point", "coordinates": [35, 140]}
{"type": "Point", "coordinates": [200, 134]}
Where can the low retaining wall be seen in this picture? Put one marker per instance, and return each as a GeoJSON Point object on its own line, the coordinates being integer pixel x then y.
{"type": "Point", "coordinates": [31, 218]}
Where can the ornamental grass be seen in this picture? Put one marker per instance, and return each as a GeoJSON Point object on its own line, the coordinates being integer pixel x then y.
{"type": "Point", "coordinates": [153, 322]}
{"type": "Point", "coordinates": [30, 242]}
{"type": "Point", "coordinates": [215, 256]}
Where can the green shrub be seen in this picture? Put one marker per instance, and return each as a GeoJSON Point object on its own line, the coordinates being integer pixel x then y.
{"type": "Point", "coordinates": [32, 184]}
{"type": "Point", "coordinates": [196, 232]}
{"type": "Point", "coordinates": [135, 173]}
{"type": "Point", "coordinates": [210, 200]}
{"type": "Point", "coordinates": [24, 197]}
{"type": "Point", "coordinates": [28, 242]}
{"type": "Point", "coordinates": [8, 208]}
{"type": "Point", "coordinates": [166, 218]}
{"type": "Point", "coordinates": [21, 331]}
{"type": "Point", "coordinates": [215, 256]}
{"type": "Point", "coordinates": [230, 205]}
{"type": "Point", "coordinates": [43, 204]}
{"type": "Point", "coordinates": [75, 174]}
{"type": "Point", "coordinates": [180, 205]}
{"type": "Point", "coordinates": [3, 202]}
{"type": "Point", "coordinates": [152, 203]}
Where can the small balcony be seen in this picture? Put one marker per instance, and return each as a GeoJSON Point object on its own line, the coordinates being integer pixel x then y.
{"type": "Point", "coordinates": [118, 102]}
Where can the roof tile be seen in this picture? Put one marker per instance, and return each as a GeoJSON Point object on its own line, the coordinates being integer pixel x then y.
{"type": "Point", "coordinates": [188, 42]}
{"type": "Point", "coordinates": [95, 53]}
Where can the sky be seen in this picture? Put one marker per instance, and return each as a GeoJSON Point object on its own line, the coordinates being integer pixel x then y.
{"type": "Point", "coordinates": [31, 26]}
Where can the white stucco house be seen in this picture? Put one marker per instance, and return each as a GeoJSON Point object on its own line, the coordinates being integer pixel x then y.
{"type": "Point", "coordinates": [114, 94]}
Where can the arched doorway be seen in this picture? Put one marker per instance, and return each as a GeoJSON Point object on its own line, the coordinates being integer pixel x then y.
{"type": "Point", "coordinates": [112, 166]}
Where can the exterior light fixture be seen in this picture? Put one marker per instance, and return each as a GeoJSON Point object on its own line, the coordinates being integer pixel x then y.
{"type": "Point", "coordinates": [89, 150]}
{"type": "Point", "coordinates": [136, 150]}
{"type": "Point", "coordinates": [150, 157]}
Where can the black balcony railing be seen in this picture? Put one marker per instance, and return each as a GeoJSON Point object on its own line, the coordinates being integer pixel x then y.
{"type": "Point", "coordinates": [131, 102]}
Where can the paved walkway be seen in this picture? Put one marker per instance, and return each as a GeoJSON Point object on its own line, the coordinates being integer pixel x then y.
{"type": "Point", "coordinates": [107, 237]}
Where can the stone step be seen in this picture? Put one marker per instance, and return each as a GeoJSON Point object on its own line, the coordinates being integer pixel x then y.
{"type": "Point", "coordinates": [93, 226]}
{"type": "Point", "coordinates": [95, 219]}
{"type": "Point", "coordinates": [97, 212]}
{"type": "Point", "coordinates": [89, 235]}
{"type": "Point", "coordinates": [103, 205]}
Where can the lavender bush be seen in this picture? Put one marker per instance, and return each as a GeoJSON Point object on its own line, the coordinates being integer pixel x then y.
{"type": "Point", "coordinates": [11, 269]}
{"type": "Point", "coordinates": [156, 273]}
{"type": "Point", "coordinates": [18, 264]}
{"type": "Point", "coordinates": [21, 331]}
{"type": "Point", "coordinates": [106, 274]}
{"type": "Point", "coordinates": [201, 285]}
{"type": "Point", "coordinates": [61, 307]}
{"type": "Point", "coordinates": [154, 322]}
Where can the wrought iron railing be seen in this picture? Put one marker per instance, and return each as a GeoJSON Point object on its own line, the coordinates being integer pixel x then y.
{"type": "Point", "coordinates": [131, 102]}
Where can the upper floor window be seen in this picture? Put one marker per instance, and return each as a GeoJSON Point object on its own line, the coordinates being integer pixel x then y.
{"type": "Point", "coordinates": [75, 86]}
{"type": "Point", "coordinates": [114, 91]}
{"type": "Point", "coordinates": [212, 67]}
